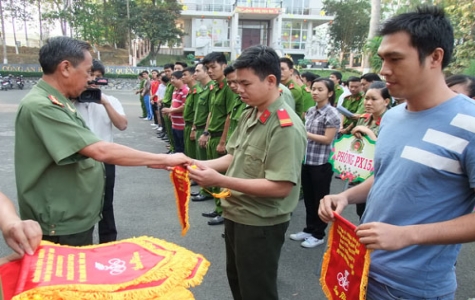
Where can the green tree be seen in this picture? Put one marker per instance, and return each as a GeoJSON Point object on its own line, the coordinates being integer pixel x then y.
{"type": "Point", "coordinates": [156, 21]}
{"type": "Point", "coordinates": [349, 29]}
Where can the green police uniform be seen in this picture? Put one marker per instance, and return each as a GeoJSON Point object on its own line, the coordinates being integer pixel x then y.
{"type": "Point", "coordinates": [287, 95]}
{"type": "Point", "coordinates": [355, 104]}
{"type": "Point", "coordinates": [238, 108]}
{"type": "Point", "coordinates": [167, 102]}
{"type": "Point", "coordinates": [57, 186]}
{"type": "Point", "coordinates": [298, 97]}
{"type": "Point", "coordinates": [189, 116]}
{"type": "Point", "coordinates": [142, 104]}
{"type": "Point", "coordinates": [338, 92]}
{"type": "Point", "coordinates": [271, 147]}
{"type": "Point", "coordinates": [221, 104]}
{"type": "Point", "coordinates": [201, 116]}
{"type": "Point", "coordinates": [307, 98]}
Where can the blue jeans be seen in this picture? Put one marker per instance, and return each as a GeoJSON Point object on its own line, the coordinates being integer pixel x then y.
{"type": "Point", "coordinates": [148, 106]}
{"type": "Point", "coordinates": [379, 291]}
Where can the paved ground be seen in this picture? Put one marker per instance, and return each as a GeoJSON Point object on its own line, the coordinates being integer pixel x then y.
{"type": "Point", "coordinates": [145, 206]}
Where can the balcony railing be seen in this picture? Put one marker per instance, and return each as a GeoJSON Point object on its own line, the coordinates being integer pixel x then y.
{"type": "Point", "coordinates": [209, 7]}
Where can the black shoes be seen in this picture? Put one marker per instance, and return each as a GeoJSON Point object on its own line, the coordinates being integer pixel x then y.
{"type": "Point", "coordinates": [211, 214]}
{"type": "Point", "coordinates": [200, 198]}
{"type": "Point", "coordinates": [218, 220]}
{"type": "Point", "coordinates": [194, 194]}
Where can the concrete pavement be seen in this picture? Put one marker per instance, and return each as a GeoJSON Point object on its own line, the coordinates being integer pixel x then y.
{"type": "Point", "coordinates": [144, 205]}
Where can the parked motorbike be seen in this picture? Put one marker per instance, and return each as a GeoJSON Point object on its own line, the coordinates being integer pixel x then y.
{"type": "Point", "coordinates": [5, 83]}
{"type": "Point", "coordinates": [20, 82]}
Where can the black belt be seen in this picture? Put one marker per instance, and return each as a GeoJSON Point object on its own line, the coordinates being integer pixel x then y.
{"type": "Point", "coordinates": [216, 134]}
{"type": "Point", "coordinates": [200, 127]}
{"type": "Point", "coordinates": [188, 123]}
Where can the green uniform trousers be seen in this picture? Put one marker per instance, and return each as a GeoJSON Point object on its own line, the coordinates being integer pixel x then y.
{"type": "Point", "coordinates": [168, 129]}
{"type": "Point", "coordinates": [200, 155]}
{"type": "Point", "coordinates": [252, 259]}
{"type": "Point", "coordinates": [144, 110]}
{"type": "Point", "coordinates": [211, 153]}
{"type": "Point", "coordinates": [190, 146]}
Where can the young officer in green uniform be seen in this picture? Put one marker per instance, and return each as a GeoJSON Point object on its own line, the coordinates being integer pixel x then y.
{"type": "Point", "coordinates": [336, 78]}
{"type": "Point", "coordinates": [287, 67]}
{"type": "Point", "coordinates": [221, 104]}
{"type": "Point", "coordinates": [59, 174]}
{"type": "Point", "coordinates": [263, 168]}
{"type": "Point", "coordinates": [354, 103]}
{"type": "Point", "coordinates": [189, 111]}
{"type": "Point", "coordinates": [239, 105]}
{"type": "Point", "coordinates": [307, 78]}
{"type": "Point", "coordinates": [199, 123]}
{"type": "Point", "coordinates": [167, 103]}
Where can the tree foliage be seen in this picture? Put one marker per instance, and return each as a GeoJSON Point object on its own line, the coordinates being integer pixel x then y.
{"type": "Point", "coordinates": [349, 29]}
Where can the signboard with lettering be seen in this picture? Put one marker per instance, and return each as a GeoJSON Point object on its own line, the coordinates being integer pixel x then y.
{"type": "Point", "coordinates": [345, 264]}
{"type": "Point", "coordinates": [353, 158]}
{"type": "Point", "coordinates": [258, 10]}
{"type": "Point", "coordinates": [116, 70]}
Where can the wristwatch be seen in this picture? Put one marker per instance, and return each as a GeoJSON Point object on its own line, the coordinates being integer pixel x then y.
{"type": "Point", "coordinates": [205, 133]}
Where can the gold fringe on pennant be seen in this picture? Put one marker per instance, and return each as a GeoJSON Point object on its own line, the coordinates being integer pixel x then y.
{"type": "Point", "coordinates": [185, 224]}
{"type": "Point", "coordinates": [177, 265]}
{"type": "Point", "coordinates": [364, 276]}
{"type": "Point", "coordinates": [325, 263]}
{"type": "Point", "coordinates": [225, 193]}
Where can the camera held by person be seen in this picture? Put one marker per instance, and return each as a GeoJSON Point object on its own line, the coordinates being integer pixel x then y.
{"type": "Point", "coordinates": [93, 94]}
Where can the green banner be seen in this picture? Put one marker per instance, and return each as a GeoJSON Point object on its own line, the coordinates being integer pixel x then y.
{"type": "Point", "coordinates": [353, 158]}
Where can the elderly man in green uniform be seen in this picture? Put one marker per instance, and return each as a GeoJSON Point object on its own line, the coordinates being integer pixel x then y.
{"type": "Point", "coordinates": [354, 103]}
{"type": "Point", "coordinates": [263, 168]}
{"type": "Point", "coordinates": [221, 104]}
{"type": "Point", "coordinates": [239, 105]}
{"type": "Point", "coordinates": [287, 68]}
{"type": "Point", "coordinates": [189, 111]}
{"type": "Point", "coordinates": [59, 174]}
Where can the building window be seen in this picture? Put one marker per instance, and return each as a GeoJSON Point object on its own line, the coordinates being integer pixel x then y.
{"type": "Point", "coordinates": [209, 5]}
{"type": "Point", "coordinates": [214, 32]}
{"type": "Point", "coordinates": [294, 35]}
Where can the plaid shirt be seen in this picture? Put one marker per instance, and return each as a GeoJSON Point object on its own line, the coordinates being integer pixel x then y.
{"type": "Point", "coordinates": [316, 122]}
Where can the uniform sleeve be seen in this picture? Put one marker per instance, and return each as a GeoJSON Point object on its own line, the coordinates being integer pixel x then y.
{"type": "Point", "coordinates": [297, 94]}
{"type": "Point", "coordinates": [285, 154]}
{"type": "Point", "coordinates": [230, 100]}
{"type": "Point", "coordinates": [61, 135]}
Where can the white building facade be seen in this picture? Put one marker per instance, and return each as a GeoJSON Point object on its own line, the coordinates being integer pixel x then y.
{"type": "Point", "coordinates": [289, 26]}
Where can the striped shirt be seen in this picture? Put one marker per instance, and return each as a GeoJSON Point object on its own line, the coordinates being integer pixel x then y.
{"type": "Point", "coordinates": [178, 100]}
{"type": "Point", "coordinates": [316, 122]}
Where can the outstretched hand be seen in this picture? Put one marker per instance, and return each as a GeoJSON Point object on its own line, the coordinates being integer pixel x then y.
{"type": "Point", "coordinates": [23, 236]}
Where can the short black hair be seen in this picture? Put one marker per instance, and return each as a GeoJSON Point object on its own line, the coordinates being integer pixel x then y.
{"type": "Point", "coordinates": [262, 60]}
{"type": "Point", "coordinates": [309, 76]}
{"type": "Point", "coordinates": [190, 70]}
{"type": "Point", "coordinates": [330, 86]}
{"type": "Point", "coordinates": [177, 74]}
{"type": "Point", "coordinates": [180, 63]}
{"type": "Point", "coordinates": [353, 79]}
{"type": "Point", "coordinates": [287, 61]}
{"type": "Point", "coordinates": [60, 48]}
{"type": "Point", "coordinates": [217, 57]}
{"type": "Point", "coordinates": [155, 70]}
{"type": "Point", "coordinates": [467, 81]}
{"type": "Point", "coordinates": [228, 70]}
{"type": "Point", "coordinates": [168, 66]}
{"type": "Point", "coordinates": [428, 28]}
{"type": "Point", "coordinates": [145, 72]}
{"type": "Point", "coordinates": [337, 75]}
{"type": "Point", "coordinates": [370, 77]}
{"type": "Point", "coordinates": [97, 65]}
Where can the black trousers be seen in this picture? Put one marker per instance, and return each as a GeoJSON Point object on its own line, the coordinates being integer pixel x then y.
{"type": "Point", "coordinates": [316, 182]}
{"type": "Point", "coordinates": [107, 229]}
{"type": "Point", "coordinates": [252, 259]}
{"type": "Point", "coordinates": [77, 239]}
{"type": "Point", "coordinates": [155, 112]}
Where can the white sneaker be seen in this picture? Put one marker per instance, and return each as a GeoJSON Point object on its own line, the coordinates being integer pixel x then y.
{"type": "Point", "coordinates": [154, 126]}
{"type": "Point", "coordinates": [159, 128]}
{"type": "Point", "coordinates": [299, 236]}
{"type": "Point", "coordinates": [311, 242]}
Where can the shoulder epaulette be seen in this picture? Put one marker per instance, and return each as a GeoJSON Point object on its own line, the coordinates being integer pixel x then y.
{"type": "Point", "coordinates": [284, 118]}
{"type": "Point", "coordinates": [55, 101]}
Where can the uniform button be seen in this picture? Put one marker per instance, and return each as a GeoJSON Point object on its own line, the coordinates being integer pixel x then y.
{"type": "Point", "coordinates": [52, 232]}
